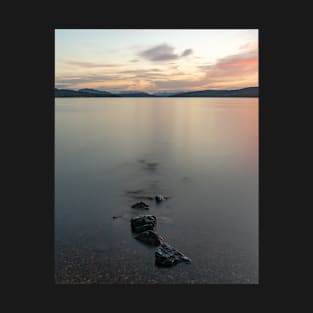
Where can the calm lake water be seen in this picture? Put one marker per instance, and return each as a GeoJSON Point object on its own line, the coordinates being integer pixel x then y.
{"type": "Point", "coordinates": [202, 152]}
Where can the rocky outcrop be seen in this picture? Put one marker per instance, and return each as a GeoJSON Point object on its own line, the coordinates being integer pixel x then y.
{"type": "Point", "coordinates": [150, 237]}
{"type": "Point", "coordinates": [142, 223]}
{"type": "Point", "coordinates": [144, 226]}
{"type": "Point", "coordinates": [167, 256]}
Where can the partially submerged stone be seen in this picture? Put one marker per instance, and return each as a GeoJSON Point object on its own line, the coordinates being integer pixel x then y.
{"type": "Point", "coordinates": [159, 198]}
{"type": "Point", "coordinates": [142, 223]}
{"type": "Point", "coordinates": [141, 205]}
{"type": "Point", "coordinates": [116, 216]}
{"type": "Point", "coordinates": [166, 255]}
{"type": "Point", "coordinates": [150, 237]}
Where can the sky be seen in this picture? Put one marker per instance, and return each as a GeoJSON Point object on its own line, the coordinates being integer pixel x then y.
{"type": "Point", "coordinates": [153, 60]}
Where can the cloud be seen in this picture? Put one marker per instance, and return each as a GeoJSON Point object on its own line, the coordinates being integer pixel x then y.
{"type": "Point", "coordinates": [114, 78]}
{"type": "Point", "coordinates": [69, 82]}
{"type": "Point", "coordinates": [153, 70]}
{"type": "Point", "coordinates": [134, 60]}
{"type": "Point", "coordinates": [89, 64]}
{"type": "Point", "coordinates": [163, 52]}
{"type": "Point", "coordinates": [187, 52]}
{"type": "Point", "coordinates": [148, 74]}
{"type": "Point", "coordinates": [239, 61]}
{"type": "Point", "coordinates": [159, 53]}
{"type": "Point", "coordinates": [241, 68]}
{"type": "Point", "coordinates": [231, 71]}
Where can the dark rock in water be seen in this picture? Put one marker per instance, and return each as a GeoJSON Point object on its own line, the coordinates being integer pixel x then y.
{"type": "Point", "coordinates": [142, 223]}
{"type": "Point", "coordinates": [150, 237]}
{"type": "Point", "coordinates": [159, 198]}
{"type": "Point", "coordinates": [166, 255]}
{"type": "Point", "coordinates": [141, 205]}
{"type": "Point", "coordinates": [116, 216]}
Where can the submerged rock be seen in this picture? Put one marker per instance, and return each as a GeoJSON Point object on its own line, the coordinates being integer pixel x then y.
{"type": "Point", "coordinates": [141, 205]}
{"type": "Point", "coordinates": [166, 255]}
{"type": "Point", "coordinates": [150, 237]}
{"type": "Point", "coordinates": [142, 223]}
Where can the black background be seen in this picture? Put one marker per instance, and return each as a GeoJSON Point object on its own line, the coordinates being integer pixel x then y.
{"type": "Point", "coordinates": [32, 152]}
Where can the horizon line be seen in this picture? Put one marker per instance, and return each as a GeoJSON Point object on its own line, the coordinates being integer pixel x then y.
{"type": "Point", "coordinates": [151, 92]}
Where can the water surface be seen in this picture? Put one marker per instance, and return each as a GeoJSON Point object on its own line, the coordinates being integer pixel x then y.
{"type": "Point", "coordinates": [202, 152]}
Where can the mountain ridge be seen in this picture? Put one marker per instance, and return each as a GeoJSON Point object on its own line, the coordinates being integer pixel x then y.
{"type": "Point", "coordinates": [87, 92]}
{"type": "Point", "coordinates": [243, 92]}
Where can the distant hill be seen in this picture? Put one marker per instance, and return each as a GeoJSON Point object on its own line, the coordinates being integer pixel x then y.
{"type": "Point", "coordinates": [82, 93]}
{"type": "Point", "coordinates": [94, 91]}
{"type": "Point", "coordinates": [134, 94]}
{"type": "Point", "coordinates": [86, 92]}
{"type": "Point", "coordinates": [244, 92]}
{"type": "Point", "coordinates": [166, 93]}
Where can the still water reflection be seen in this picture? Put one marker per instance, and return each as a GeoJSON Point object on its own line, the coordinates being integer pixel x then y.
{"type": "Point", "coordinates": [204, 153]}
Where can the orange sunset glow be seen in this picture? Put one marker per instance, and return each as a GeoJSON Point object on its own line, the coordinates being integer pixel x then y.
{"type": "Point", "coordinates": [156, 60]}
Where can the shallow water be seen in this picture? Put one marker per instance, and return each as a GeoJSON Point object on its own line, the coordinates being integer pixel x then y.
{"type": "Point", "coordinates": [112, 152]}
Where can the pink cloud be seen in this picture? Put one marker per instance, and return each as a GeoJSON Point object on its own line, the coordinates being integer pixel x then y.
{"type": "Point", "coordinates": [241, 68]}
{"type": "Point", "coordinates": [240, 63]}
